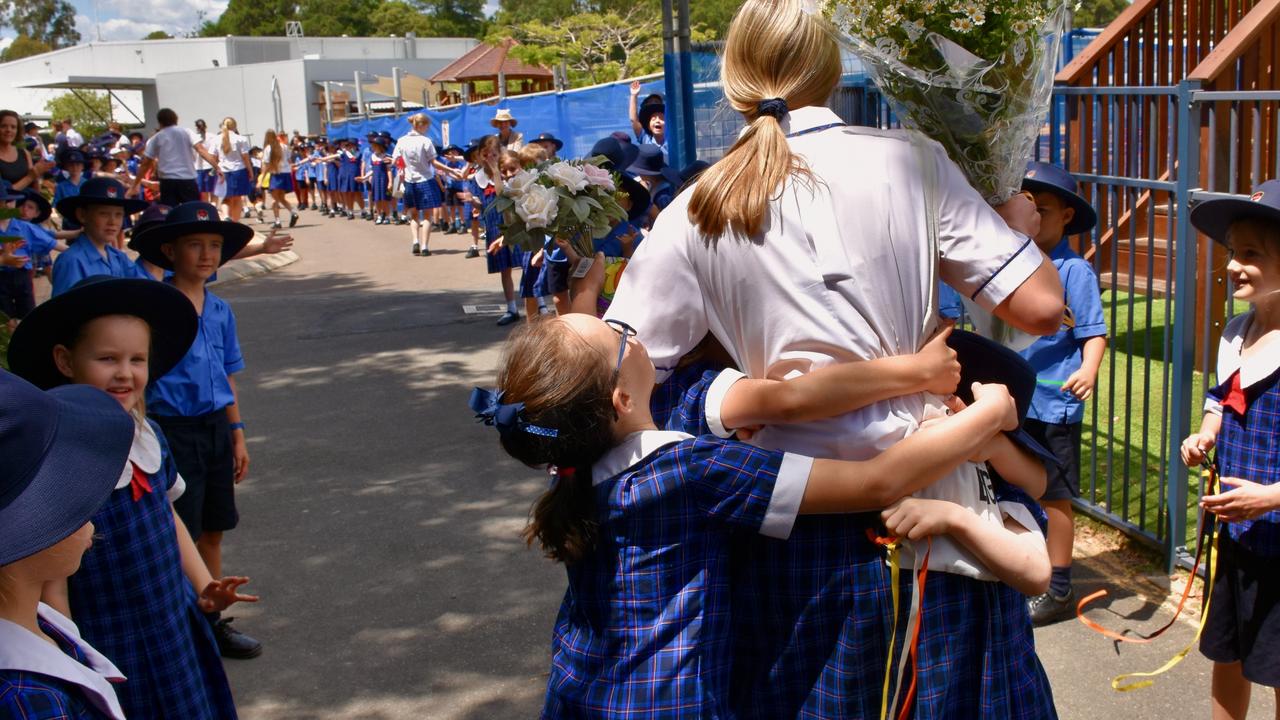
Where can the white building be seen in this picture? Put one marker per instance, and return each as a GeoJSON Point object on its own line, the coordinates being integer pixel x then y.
{"type": "Point", "coordinates": [260, 81]}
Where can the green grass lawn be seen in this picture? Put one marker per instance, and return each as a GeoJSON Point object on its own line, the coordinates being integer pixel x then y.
{"type": "Point", "coordinates": [1125, 435]}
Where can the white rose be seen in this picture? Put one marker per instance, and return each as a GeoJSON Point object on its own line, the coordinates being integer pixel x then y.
{"type": "Point", "coordinates": [538, 206]}
{"type": "Point", "coordinates": [599, 177]}
{"type": "Point", "coordinates": [569, 176]}
{"type": "Point", "coordinates": [517, 185]}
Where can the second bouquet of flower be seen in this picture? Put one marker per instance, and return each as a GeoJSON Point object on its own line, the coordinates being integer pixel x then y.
{"type": "Point", "coordinates": [575, 200]}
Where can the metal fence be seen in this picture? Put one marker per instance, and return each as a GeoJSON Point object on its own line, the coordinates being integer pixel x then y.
{"type": "Point", "coordinates": [1144, 156]}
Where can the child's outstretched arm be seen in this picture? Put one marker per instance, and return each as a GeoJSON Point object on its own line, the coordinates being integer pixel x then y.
{"type": "Point", "coordinates": [845, 387]}
{"type": "Point", "coordinates": [837, 486]}
{"type": "Point", "coordinates": [1014, 554]}
{"type": "Point", "coordinates": [214, 595]}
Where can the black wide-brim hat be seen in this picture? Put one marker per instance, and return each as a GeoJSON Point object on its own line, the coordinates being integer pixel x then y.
{"type": "Point", "coordinates": [152, 216]}
{"type": "Point", "coordinates": [100, 191]}
{"type": "Point", "coordinates": [1045, 177]}
{"type": "Point", "coordinates": [63, 453]}
{"type": "Point", "coordinates": [190, 218]}
{"type": "Point", "coordinates": [163, 307]}
{"type": "Point", "coordinates": [619, 154]}
{"type": "Point", "coordinates": [649, 161]}
{"type": "Point", "coordinates": [1214, 217]}
{"type": "Point", "coordinates": [986, 361]}
{"type": "Point", "coordinates": [548, 137]}
{"type": "Point", "coordinates": [640, 198]}
{"type": "Point", "coordinates": [476, 144]}
{"type": "Point", "coordinates": [41, 202]}
{"type": "Point", "coordinates": [453, 148]}
{"type": "Point", "coordinates": [649, 108]}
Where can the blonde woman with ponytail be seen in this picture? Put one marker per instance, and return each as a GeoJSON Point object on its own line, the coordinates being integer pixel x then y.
{"type": "Point", "coordinates": [813, 243]}
{"type": "Point", "coordinates": [231, 149]}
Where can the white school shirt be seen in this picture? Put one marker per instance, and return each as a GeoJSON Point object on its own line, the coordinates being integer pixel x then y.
{"type": "Point", "coordinates": [233, 160]}
{"type": "Point", "coordinates": [20, 649]}
{"type": "Point", "coordinates": [173, 149]}
{"type": "Point", "coordinates": [844, 270]}
{"type": "Point", "coordinates": [73, 138]}
{"type": "Point", "coordinates": [206, 143]}
{"type": "Point", "coordinates": [419, 154]}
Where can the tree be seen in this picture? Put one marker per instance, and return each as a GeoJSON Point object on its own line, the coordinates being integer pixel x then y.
{"type": "Point", "coordinates": [1098, 13]}
{"type": "Point", "coordinates": [595, 47]}
{"type": "Point", "coordinates": [331, 18]}
{"type": "Point", "coordinates": [713, 16]}
{"type": "Point", "coordinates": [395, 17]}
{"type": "Point", "coordinates": [52, 22]}
{"type": "Point", "coordinates": [23, 46]}
{"type": "Point", "coordinates": [89, 111]}
{"type": "Point", "coordinates": [158, 35]}
{"type": "Point", "coordinates": [252, 17]}
{"type": "Point", "coordinates": [516, 12]}
{"type": "Point", "coordinates": [454, 18]}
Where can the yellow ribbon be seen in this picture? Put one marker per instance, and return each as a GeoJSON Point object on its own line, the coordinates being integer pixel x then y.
{"type": "Point", "coordinates": [894, 569]}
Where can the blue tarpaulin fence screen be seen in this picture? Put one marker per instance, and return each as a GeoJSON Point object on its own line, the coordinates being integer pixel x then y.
{"type": "Point", "coordinates": [578, 117]}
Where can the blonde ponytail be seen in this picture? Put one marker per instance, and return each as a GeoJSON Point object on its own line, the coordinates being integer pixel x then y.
{"type": "Point", "coordinates": [228, 126]}
{"type": "Point", "coordinates": [774, 50]}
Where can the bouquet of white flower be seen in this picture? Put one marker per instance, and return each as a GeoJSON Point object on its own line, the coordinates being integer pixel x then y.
{"type": "Point", "coordinates": [574, 200]}
{"type": "Point", "coordinates": [975, 75]}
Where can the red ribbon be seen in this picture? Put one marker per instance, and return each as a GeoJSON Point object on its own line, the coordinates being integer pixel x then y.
{"type": "Point", "coordinates": [1235, 398]}
{"type": "Point", "coordinates": [139, 483]}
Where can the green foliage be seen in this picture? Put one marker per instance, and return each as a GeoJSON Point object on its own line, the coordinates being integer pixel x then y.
{"type": "Point", "coordinates": [596, 47]}
{"type": "Point", "coordinates": [1098, 13]}
{"type": "Point", "coordinates": [713, 16]}
{"type": "Point", "coordinates": [52, 22]}
{"type": "Point", "coordinates": [516, 12]}
{"type": "Point", "coordinates": [23, 46]}
{"type": "Point", "coordinates": [252, 17]}
{"type": "Point", "coordinates": [158, 35]}
{"type": "Point", "coordinates": [89, 116]}
{"type": "Point", "coordinates": [454, 18]}
{"type": "Point", "coordinates": [331, 18]}
{"type": "Point", "coordinates": [395, 17]}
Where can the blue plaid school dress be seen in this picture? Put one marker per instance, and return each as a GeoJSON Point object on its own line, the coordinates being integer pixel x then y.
{"type": "Point", "coordinates": [644, 630]}
{"type": "Point", "coordinates": [1249, 447]}
{"type": "Point", "coordinates": [507, 256]}
{"type": "Point", "coordinates": [977, 655]}
{"type": "Point", "coordinates": [133, 603]}
{"type": "Point", "coordinates": [679, 402]}
{"type": "Point", "coordinates": [33, 696]}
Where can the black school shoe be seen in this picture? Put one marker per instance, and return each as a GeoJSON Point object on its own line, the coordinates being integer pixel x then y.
{"type": "Point", "coordinates": [234, 644]}
{"type": "Point", "coordinates": [1047, 608]}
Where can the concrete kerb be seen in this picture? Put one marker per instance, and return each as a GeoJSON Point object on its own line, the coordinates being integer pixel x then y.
{"type": "Point", "coordinates": [256, 265]}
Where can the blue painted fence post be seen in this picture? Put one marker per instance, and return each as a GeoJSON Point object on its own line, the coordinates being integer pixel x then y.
{"type": "Point", "coordinates": [1183, 346]}
{"type": "Point", "coordinates": [678, 77]}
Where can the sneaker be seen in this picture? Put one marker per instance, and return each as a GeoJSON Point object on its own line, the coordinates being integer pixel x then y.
{"type": "Point", "coordinates": [276, 225]}
{"type": "Point", "coordinates": [473, 252]}
{"type": "Point", "coordinates": [234, 644]}
{"type": "Point", "coordinates": [313, 206]}
{"type": "Point", "coordinates": [426, 252]}
{"type": "Point", "coordinates": [1048, 608]}
{"type": "Point", "coordinates": [417, 249]}
{"type": "Point", "coordinates": [293, 219]}
{"type": "Point", "coordinates": [508, 318]}
{"type": "Point", "coordinates": [261, 218]}
{"type": "Point", "coordinates": [351, 216]}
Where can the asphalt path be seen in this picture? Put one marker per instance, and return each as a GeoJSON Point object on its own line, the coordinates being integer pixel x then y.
{"type": "Point", "coordinates": [381, 525]}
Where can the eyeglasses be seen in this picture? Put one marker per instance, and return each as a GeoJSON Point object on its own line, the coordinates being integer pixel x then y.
{"type": "Point", "coordinates": [626, 331]}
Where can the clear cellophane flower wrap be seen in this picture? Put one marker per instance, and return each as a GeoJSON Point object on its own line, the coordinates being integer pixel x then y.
{"type": "Point", "coordinates": [974, 75]}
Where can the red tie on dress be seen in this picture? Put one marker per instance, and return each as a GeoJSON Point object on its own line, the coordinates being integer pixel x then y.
{"type": "Point", "coordinates": [1235, 398]}
{"type": "Point", "coordinates": [140, 483]}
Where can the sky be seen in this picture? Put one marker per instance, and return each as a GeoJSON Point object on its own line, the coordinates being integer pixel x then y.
{"type": "Point", "coordinates": [133, 19]}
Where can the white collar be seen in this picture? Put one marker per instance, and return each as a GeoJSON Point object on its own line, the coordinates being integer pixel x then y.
{"type": "Point", "coordinates": [482, 178]}
{"type": "Point", "coordinates": [20, 649]}
{"type": "Point", "coordinates": [1261, 363]}
{"type": "Point", "coordinates": [808, 118]}
{"type": "Point", "coordinates": [633, 448]}
{"type": "Point", "coordinates": [145, 453]}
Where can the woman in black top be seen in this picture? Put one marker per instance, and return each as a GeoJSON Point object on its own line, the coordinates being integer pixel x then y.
{"type": "Point", "coordinates": [16, 166]}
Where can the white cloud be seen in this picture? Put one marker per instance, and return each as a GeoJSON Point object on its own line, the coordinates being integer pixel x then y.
{"type": "Point", "coordinates": [5, 42]}
{"type": "Point", "coordinates": [130, 20]}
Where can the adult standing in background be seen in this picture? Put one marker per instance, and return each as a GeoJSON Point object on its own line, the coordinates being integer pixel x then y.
{"type": "Point", "coordinates": [506, 123]}
{"type": "Point", "coordinates": [72, 138]}
{"type": "Point", "coordinates": [35, 143]}
{"type": "Point", "coordinates": [16, 166]}
{"type": "Point", "coordinates": [172, 151]}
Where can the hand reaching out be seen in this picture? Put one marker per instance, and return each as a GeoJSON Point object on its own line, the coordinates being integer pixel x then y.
{"type": "Point", "coordinates": [276, 243]}
{"type": "Point", "coordinates": [222, 594]}
{"type": "Point", "coordinates": [635, 88]}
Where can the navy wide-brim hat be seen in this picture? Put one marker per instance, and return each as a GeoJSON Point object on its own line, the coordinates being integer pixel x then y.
{"type": "Point", "coordinates": [649, 161]}
{"type": "Point", "coordinates": [548, 137]}
{"type": "Point", "coordinates": [640, 198]}
{"type": "Point", "coordinates": [987, 361]}
{"type": "Point", "coordinates": [1044, 177]}
{"type": "Point", "coordinates": [453, 148]}
{"type": "Point", "coordinates": [619, 154]}
{"type": "Point", "coordinates": [100, 191]}
{"type": "Point", "coordinates": [41, 202]}
{"type": "Point", "coordinates": [163, 307]}
{"type": "Point", "coordinates": [152, 216]}
{"type": "Point", "coordinates": [474, 146]}
{"type": "Point", "coordinates": [70, 155]}
{"type": "Point", "coordinates": [63, 453]}
{"type": "Point", "coordinates": [190, 218]}
{"type": "Point", "coordinates": [648, 109]}
{"type": "Point", "coordinates": [1214, 217]}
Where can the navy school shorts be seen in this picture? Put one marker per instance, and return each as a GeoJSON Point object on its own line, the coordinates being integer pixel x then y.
{"type": "Point", "coordinates": [201, 448]}
{"type": "Point", "coordinates": [1063, 440]}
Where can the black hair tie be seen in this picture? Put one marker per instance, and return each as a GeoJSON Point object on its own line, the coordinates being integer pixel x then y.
{"type": "Point", "coordinates": [773, 107]}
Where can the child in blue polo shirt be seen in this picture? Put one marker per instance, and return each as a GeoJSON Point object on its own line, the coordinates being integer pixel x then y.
{"type": "Point", "coordinates": [1242, 420]}
{"type": "Point", "coordinates": [72, 176]}
{"type": "Point", "coordinates": [195, 402]}
{"type": "Point", "coordinates": [102, 208]}
{"type": "Point", "coordinates": [1066, 365]}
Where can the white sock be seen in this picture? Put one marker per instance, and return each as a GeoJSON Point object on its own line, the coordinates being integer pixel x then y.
{"type": "Point", "coordinates": [511, 307]}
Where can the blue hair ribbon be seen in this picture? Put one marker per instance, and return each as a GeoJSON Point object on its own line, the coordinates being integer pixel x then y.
{"type": "Point", "coordinates": [506, 417]}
